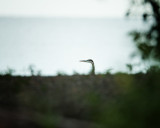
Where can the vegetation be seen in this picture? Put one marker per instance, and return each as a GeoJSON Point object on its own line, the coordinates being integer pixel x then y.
{"type": "Point", "coordinates": [53, 101]}
{"type": "Point", "coordinates": [113, 101]}
{"type": "Point", "coordinates": [147, 41]}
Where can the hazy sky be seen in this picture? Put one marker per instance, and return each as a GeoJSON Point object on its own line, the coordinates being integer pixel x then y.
{"type": "Point", "coordinates": [67, 8]}
{"type": "Point", "coordinates": [40, 41]}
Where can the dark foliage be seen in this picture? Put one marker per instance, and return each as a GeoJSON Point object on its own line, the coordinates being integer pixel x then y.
{"type": "Point", "coordinates": [114, 101]}
{"type": "Point", "coordinates": [148, 41]}
{"type": "Point", "coordinates": [51, 101]}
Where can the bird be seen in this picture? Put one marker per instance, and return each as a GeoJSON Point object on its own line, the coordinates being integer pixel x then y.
{"type": "Point", "coordinates": [92, 63]}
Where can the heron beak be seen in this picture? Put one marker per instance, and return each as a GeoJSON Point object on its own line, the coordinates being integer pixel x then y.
{"type": "Point", "coordinates": [83, 61]}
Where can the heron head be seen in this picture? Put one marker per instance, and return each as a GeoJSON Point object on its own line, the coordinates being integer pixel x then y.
{"type": "Point", "coordinates": [88, 61]}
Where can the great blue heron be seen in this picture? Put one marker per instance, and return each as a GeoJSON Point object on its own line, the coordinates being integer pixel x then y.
{"type": "Point", "coordinates": [92, 63]}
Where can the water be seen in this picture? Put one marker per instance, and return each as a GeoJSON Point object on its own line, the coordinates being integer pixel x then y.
{"type": "Point", "coordinates": [57, 44]}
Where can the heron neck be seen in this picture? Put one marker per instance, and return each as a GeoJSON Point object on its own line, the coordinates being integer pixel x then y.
{"type": "Point", "coordinates": [93, 69]}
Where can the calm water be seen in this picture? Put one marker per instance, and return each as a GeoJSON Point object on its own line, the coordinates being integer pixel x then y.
{"type": "Point", "coordinates": [57, 44]}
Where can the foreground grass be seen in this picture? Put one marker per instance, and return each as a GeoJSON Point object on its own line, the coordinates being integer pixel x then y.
{"type": "Point", "coordinates": [119, 100]}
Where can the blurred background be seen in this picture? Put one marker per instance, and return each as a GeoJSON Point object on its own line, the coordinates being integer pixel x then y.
{"type": "Point", "coordinates": [49, 37]}
{"type": "Point", "coordinates": [53, 35]}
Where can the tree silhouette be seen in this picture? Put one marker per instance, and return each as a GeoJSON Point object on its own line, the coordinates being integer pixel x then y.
{"type": "Point", "coordinates": [147, 42]}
